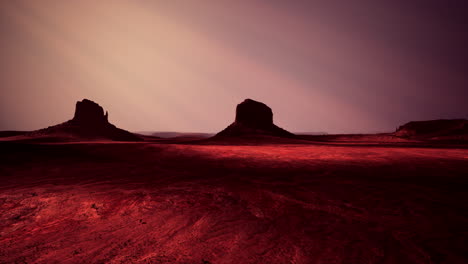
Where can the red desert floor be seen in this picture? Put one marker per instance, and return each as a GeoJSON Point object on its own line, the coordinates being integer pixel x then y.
{"type": "Point", "coordinates": [162, 203]}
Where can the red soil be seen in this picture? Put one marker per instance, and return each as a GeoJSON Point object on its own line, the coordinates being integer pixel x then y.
{"type": "Point", "coordinates": [161, 203]}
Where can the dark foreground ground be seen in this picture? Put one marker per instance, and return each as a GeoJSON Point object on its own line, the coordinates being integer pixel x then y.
{"type": "Point", "coordinates": [172, 203]}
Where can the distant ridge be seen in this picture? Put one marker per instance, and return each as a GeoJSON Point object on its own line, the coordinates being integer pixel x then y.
{"type": "Point", "coordinates": [434, 129]}
{"type": "Point", "coordinates": [173, 134]}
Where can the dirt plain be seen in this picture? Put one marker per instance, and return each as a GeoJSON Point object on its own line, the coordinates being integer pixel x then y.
{"type": "Point", "coordinates": [154, 202]}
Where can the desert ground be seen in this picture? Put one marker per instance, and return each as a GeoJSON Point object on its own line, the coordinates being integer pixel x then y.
{"type": "Point", "coordinates": [169, 202]}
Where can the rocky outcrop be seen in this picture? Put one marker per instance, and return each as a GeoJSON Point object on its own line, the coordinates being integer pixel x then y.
{"type": "Point", "coordinates": [253, 118]}
{"type": "Point", "coordinates": [89, 122]}
{"type": "Point", "coordinates": [433, 128]}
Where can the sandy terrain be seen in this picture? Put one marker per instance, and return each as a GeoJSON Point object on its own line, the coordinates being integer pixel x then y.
{"type": "Point", "coordinates": [174, 203]}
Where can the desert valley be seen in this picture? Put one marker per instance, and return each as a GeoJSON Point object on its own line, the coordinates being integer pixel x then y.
{"type": "Point", "coordinates": [85, 191]}
{"type": "Point", "coordinates": [233, 132]}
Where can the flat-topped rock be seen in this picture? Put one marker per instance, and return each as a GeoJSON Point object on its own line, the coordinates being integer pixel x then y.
{"type": "Point", "coordinates": [89, 112]}
{"type": "Point", "coordinates": [89, 122]}
{"type": "Point", "coordinates": [433, 128]}
{"type": "Point", "coordinates": [253, 118]}
{"type": "Point", "coordinates": [254, 114]}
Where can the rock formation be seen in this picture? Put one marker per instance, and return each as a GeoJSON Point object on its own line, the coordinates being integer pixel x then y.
{"type": "Point", "coordinates": [253, 118]}
{"type": "Point", "coordinates": [89, 122]}
{"type": "Point", "coordinates": [433, 129]}
{"type": "Point", "coordinates": [88, 112]}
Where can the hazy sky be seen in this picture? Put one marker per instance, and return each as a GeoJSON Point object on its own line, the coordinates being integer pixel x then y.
{"type": "Point", "coordinates": [335, 66]}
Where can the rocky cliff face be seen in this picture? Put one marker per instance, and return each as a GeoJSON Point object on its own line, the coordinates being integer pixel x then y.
{"type": "Point", "coordinates": [89, 122]}
{"type": "Point", "coordinates": [254, 114]}
{"type": "Point", "coordinates": [88, 112]}
{"type": "Point", "coordinates": [253, 118]}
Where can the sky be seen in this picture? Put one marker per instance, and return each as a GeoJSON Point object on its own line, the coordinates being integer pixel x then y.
{"type": "Point", "coordinates": [322, 66]}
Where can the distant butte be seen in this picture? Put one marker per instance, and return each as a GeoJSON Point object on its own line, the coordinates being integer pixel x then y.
{"type": "Point", "coordinates": [253, 118]}
{"type": "Point", "coordinates": [89, 122]}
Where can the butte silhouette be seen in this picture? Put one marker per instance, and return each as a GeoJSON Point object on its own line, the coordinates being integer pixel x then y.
{"type": "Point", "coordinates": [89, 122]}
{"type": "Point", "coordinates": [253, 118]}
